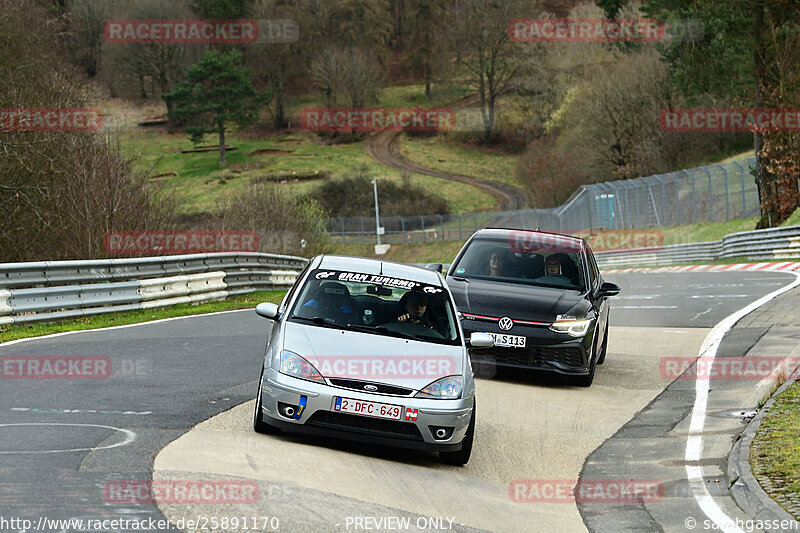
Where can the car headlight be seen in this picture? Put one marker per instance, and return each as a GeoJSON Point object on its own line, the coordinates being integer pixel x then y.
{"type": "Point", "coordinates": [295, 366]}
{"type": "Point", "coordinates": [575, 328]}
{"type": "Point", "coordinates": [448, 388]}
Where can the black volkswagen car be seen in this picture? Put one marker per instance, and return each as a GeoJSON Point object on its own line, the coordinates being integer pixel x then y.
{"type": "Point", "coordinates": [540, 295]}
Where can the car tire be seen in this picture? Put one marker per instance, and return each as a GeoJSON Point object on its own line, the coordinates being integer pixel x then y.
{"type": "Point", "coordinates": [259, 426]}
{"type": "Point", "coordinates": [601, 358]}
{"type": "Point", "coordinates": [461, 457]}
{"type": "Point", "coordinates": [586, 380]}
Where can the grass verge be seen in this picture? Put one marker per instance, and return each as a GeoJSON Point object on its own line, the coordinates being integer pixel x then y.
{"type": "Point", "coordinates": [775, 455]}
{"type": "Point", "coordinates": [447, 153]}
{"type": "Point", "coordinates": [106, 320]}
{"type": "Point", "coordinates": [200, 182]}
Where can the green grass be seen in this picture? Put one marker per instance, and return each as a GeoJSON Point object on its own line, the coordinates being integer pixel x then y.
{"type": "Point", "coordinates": [793, 220]}
{"type": "Point", "coordinates": [705, 231]}
{"type": "Point", "coordinates": [201, 182]}
{"type": "Point", "coordinates": [778, 456]}
{"type": "Point", "coordinates": [447, 153]}
{"type": "Point", "coordinates": [243, 301]}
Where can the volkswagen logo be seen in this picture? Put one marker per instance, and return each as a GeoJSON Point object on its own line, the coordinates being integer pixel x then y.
{"type": "Point", "coordinates": [505, 323]}
{"type": "Point", "coordinates": [370, 388]}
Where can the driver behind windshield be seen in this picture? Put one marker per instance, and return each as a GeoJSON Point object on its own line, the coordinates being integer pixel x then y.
{"type": "Point", "coordinates": [413, 306]}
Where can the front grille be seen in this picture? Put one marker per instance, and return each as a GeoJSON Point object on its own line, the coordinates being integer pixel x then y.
{"type": "Point", "coordinates": [532, 356]}
{"type": "Point", "coordinates": [382, 389]}
{"type": "Point", "coordinates": [365, 424]}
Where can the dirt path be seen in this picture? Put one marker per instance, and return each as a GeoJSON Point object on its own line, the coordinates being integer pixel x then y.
{"type": "Point", "coordinates": [383, 148]}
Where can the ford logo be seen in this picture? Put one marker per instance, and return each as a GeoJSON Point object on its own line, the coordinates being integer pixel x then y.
{"type": "Point", "coordinates": [371, 388]}
{"type": "Point", "coordinates": [505, 323]}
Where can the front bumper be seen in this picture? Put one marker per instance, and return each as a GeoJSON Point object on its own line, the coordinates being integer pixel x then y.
{"type": "Point", "coordinates": [544, 349]}
{"type": "Point", "coordinates": [318, 417]}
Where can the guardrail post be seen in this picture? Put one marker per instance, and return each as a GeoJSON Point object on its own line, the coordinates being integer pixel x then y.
{"type": "Point", "coordinates": [403, 228]}
{"type": "Point", "coordinates": [441, 222]}
{"type": "Point", "coordinates": [424, 235]}
{"type": "Point", "coordinates": [459, 227]}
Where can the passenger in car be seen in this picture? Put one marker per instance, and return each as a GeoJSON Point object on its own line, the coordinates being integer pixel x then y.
{"type": "Point", "coordinates": [498, 263]}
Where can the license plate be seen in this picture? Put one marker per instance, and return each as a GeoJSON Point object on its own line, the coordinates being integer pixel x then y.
{"type": "Point", "coordinates": [511, 341]}
{"type": "Point", "coordinates": [373, 409]}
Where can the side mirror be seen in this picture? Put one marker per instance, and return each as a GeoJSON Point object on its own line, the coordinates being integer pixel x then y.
{"type": "Point", "coordinates": [608, 289]}
{"type": "Point", "coordinates": [267, 310]}
{"type": "Point", "coordinates": [481, 340]}
{"type": "Point", "coordinates": [436, 267]}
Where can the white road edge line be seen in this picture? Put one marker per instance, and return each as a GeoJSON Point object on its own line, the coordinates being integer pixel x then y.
{"type": "Point", "coordinates": [52, 335]}
{"type": "Point", "coordinates": [694, 442]}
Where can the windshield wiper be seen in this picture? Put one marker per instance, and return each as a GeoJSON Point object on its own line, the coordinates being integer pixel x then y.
{"type": "Point", "coordinates": [318, 320]}
{"type": "Point", "coordinates": [385, 331]}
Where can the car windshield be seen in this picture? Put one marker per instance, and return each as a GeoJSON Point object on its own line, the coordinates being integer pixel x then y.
{"type": "Point", "coordinates": [375, 304]}
{"type": "Point", "coordinates": [527, 257]}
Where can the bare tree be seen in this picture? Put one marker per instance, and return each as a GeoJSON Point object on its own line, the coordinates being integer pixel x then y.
{"type": "Point", "coordinates": [85, 25]}
{"type": "Point", "coordinates": [348, 77]}
{"type": "Point", "coordinates": [155, 65]}
{"type": "Point", "coordinates": [492, 59]}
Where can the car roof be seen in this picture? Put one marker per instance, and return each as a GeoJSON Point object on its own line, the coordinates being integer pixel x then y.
{"type": "Point", "coordinates": [504, 232]}
{"type": "Point", "coordinates": [381, 267]}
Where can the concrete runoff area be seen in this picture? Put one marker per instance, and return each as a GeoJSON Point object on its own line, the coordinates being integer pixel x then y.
{"type": "Point", "coordinates": [540, 432]}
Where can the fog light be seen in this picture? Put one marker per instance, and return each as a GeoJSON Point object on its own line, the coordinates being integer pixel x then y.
{"type": "Point", "coordinates": [441, 432]}
{"type": "Point", "coordinates": [287, 410]}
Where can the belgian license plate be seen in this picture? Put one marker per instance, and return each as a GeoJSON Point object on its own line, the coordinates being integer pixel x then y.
{"type": "Point", "coordinates": [511, 341]}
{"type": "Point", "coordinates": [373, 409]}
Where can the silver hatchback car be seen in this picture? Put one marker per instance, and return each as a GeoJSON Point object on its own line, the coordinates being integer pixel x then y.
{"type": "Point", "coordinates": [372, 351]}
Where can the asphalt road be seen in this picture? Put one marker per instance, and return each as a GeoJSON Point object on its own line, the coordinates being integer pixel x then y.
{"type": "Point", "coordinates": [63, 442]}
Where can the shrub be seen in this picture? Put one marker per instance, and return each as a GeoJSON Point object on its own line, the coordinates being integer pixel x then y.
{"type": "Point", "coordinates": [353, 196]}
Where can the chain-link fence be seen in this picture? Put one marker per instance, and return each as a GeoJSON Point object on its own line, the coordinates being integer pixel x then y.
{"type": "Point", "coordinates": [714, 193]}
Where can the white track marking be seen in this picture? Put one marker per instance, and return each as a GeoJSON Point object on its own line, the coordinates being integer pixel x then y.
{"type": "Point", "coordinates": [694, 442]}
{"type": "Point", "coordinates": [130, 436]}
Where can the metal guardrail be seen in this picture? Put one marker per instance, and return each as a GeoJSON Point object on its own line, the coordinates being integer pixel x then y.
{"type": "Point", "coordinates": [42, 291]}
{"type": "Point", "coordinates": [53, 290]}
{"type": "Point", "coordinates": [758, 245]}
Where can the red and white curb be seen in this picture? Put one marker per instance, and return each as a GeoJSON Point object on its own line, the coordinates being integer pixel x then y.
{"type": "Point", "coordinates": [743, 267]}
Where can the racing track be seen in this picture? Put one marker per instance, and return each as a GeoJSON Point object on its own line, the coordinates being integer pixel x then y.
{"type": "Point", "coordinates": [383, 148]}
{"type": "Point", "coordinates": [170, 376]}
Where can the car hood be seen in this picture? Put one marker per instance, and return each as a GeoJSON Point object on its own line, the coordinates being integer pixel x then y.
{"type": "Point", "coordinates": [363, 356]}
{"type": "Point", "coordinates": [516, 301]}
